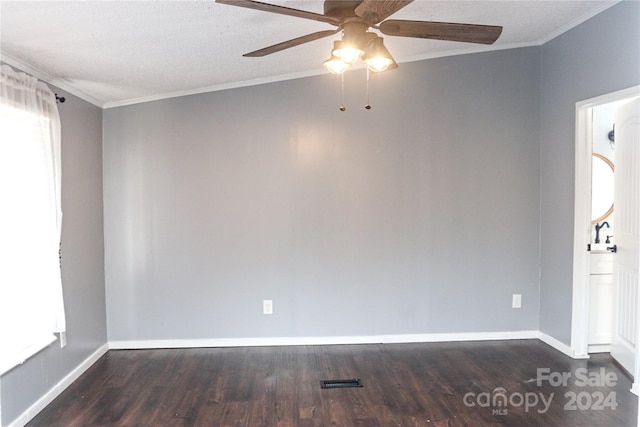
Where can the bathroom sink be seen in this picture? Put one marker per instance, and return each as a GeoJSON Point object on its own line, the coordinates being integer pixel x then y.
{"type": "Point", "coordinates": [600, 247]}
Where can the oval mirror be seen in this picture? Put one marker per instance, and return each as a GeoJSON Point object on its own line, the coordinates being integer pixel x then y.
{"type": "Point", "coordinates": [601, 188]}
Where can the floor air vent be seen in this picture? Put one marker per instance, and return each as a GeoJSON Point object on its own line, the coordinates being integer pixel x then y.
{"type": "Point", "coordinates": [340, 383]}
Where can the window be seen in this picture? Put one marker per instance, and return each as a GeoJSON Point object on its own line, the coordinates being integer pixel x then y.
{"type": "Point", "coordinates": [31, 306]}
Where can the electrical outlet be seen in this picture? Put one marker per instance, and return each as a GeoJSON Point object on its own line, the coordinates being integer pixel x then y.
{"type": "Point", "coordinates": [63, 339]}
{"type": "Point", "coordinates": [267, 306]}
{"type": "Point", "coordinates": [516, 302]}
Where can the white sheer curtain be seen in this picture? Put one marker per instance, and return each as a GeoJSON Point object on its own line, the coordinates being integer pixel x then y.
{"type": "Point", "coordinates": [31, 304]}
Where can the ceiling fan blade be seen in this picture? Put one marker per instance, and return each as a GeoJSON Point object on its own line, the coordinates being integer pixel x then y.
{"type": "Point", "coordinates": [470, 33]}
{"type": "Point", "coordinates": [374, 11]}
{"type": "Point", "coordinates": [291, 43]}
{"type": "Point", "coordinates": [266, 7]}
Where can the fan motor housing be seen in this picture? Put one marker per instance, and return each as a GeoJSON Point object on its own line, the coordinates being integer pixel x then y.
{"type": "Point", "coordinates": [340, 8]}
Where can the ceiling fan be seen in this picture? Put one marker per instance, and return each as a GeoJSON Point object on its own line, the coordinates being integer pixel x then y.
{"type": "Point", "coordinates": [354, 18]}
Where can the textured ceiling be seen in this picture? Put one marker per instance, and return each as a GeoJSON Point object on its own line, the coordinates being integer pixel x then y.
{"type": "Point", "coordinates": [120, 52]}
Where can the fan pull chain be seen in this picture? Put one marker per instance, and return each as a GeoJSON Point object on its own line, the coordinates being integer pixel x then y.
{"type": "Point", "coordinates": [342, 107]}
{"type": "Point", "coordinates": [367, 105]}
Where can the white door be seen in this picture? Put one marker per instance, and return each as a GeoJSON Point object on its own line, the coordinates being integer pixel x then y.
{"type": "Point", "coordinates": [626, 261]}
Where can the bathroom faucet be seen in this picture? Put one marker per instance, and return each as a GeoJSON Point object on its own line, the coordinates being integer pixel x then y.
{"type": "Point", "coordinates": [598, 227]}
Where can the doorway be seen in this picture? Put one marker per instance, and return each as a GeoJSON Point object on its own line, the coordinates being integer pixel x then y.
{"type": "Point", "coordinates": [583, 226]}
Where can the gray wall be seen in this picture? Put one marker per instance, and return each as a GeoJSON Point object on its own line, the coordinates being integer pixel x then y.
{"type": "Point", "coordinates": [82, 262]}
{"type": "Point", "coordinates": [595, 58]}
{"type": "Point", "coordinates": [418, 216]}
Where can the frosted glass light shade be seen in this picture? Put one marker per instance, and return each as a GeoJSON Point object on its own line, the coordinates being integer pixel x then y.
{"type": "Point", "coordinates": [377, 57]}
{"type": "Point", "coordinates": [347, 52]}
{"type": "Point", "coordinates": [335, 65]}
{"type": "Point", "coordinates": [378, 64]}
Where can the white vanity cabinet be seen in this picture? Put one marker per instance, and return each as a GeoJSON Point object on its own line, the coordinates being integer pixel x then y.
{"type": "Point", "coordinates": [600, 301]}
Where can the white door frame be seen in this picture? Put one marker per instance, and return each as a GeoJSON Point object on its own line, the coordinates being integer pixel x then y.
{"type": "Point", "coordinates": [582, 215]}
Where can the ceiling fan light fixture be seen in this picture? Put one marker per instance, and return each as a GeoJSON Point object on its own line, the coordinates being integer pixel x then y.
{"type": "Point", "coordinates": [376, 56]}
{"type": "Point", "coordinates": [346, 51]}
{"type": "Point", "coordinates": [335, 65]}
{"type": "Point", "coordinates": [379, 64]}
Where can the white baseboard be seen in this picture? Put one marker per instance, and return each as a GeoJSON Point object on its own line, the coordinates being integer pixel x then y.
{"type": "Point", "coordinates": [560, 346]}
{"type": "Point", "coordinates": [283, 341]}
{"type": "Point", "coordinates": [55, 391]}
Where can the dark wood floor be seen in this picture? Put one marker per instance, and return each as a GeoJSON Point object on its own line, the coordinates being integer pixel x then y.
{"type": "Point", "coordinates": [436, 384]}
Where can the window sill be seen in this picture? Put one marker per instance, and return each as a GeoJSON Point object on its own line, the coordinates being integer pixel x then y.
{"type": "Point", "coordinates": [10, 361]}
